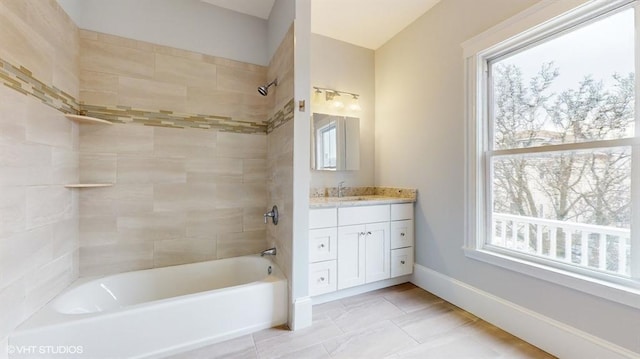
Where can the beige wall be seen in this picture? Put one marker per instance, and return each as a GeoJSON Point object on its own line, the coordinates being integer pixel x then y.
{"type": "Point", "coordinates": [38, 156]}
{"type": "Point", "coordinates": [420, 129]}
{"type": "Point", "coordinates": [345, 67]}
{"type": "Point", "coordinates": [280, 155]}
{"type": "Point", "coordinates": [180, 195]}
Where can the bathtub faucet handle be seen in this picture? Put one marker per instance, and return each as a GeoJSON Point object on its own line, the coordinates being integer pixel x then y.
{"type": "Point", "coordinates": [273, 213]}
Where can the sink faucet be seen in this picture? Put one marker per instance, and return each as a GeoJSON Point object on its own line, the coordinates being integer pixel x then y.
{"type": "Point", "coordinates": [270, 251]}
{"type": "Point", "coordinates": [340, 188]}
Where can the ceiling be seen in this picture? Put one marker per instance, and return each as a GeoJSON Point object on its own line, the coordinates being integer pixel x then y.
{"type": "Point", "coordinates": [366, 23]}
{"type": "Point", "coordinates": [258, 8]}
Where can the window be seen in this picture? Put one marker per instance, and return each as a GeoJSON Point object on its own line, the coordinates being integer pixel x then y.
{"type": "Point", "coordinates": [554, 150]}
{"type": "Point", "coordinates": [327, 156]}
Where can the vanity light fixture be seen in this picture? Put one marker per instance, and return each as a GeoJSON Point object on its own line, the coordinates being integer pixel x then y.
{"type": "Point", "coordinates": [334, 98]}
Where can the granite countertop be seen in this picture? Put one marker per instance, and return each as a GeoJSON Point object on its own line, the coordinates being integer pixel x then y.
{"type": "Point", "coordinates": [360, 196]}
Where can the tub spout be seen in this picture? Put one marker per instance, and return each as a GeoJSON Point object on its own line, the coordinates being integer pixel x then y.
{"type": "Point", "coordinates": [270, 251]}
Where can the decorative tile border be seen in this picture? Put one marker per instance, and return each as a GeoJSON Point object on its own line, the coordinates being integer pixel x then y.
{"type": "Point", "coordinates": [21, 79]}
{"type": "Point", "coordinates": [281, 117]}
{"type": "Point", "coordinates": [126, 114]}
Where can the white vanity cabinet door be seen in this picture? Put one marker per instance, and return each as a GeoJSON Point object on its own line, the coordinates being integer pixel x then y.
{"type": "Point", "coordinates": [351, 256]}
{"type": "Point", "coordinates": [401, 261]}
{"type": "Point", "coordinates": [402, 234]}
{"type": "Point", "coordinates": [377, 259]}
{"type": "Point", "coordinates": [322, 277]}
{"type": "Point", "coordinates": [323, 244]}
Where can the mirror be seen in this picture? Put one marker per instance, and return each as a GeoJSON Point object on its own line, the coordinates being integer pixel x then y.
{"type": "Point", "coordinates": [335, 142]}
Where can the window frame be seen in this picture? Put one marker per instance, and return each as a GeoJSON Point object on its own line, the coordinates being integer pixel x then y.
{"type": "Point", "coordinates": [539, 23]}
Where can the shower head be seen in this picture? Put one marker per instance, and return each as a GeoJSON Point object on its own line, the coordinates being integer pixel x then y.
{"type": "Point", "coordinates": [264, 90]}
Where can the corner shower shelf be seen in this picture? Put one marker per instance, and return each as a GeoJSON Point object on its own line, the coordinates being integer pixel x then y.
{"type": "Point", "coordinates": [88, 185]}
{"type": "Point", "coordinates": [87, 119]}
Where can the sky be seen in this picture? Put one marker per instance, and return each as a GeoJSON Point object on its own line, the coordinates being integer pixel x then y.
{"type": "Point", "coordinates": [600, 49]}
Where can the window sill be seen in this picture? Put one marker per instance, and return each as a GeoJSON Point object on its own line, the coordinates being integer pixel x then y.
{"type": "Point", "coordinates": [614, 292]}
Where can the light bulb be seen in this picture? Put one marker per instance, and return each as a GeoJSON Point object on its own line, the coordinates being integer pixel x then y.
{"type": "Point", "coordinates": [354, 105]}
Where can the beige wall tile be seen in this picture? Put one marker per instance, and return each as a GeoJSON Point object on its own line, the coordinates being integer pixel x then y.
{"type": "Point", "coordinates": [48, 126]}
{"type": "Point", "coordinates": [151, 227]}
{"type": "Point", "coordinates": [13, 211]}
{"type": "Point", "coordinates": [117, 138]}
{"type": "Point", "coordinates": [65, 237]}
{"type": "Point", "coordinates": [214, 170]}
{"type": "Point", "coordinates": [13, 108]}
{"type": "Point", "coordinates": [116, 258]}
{"type": "Point", "coordinates": [241, 195]}
{"type": "Point", "coordinates": [98, 230]}
{"type": "Point", "coordinates": [234, 145]}
{"type": "Point", "coordinates": [121, 200]}
{"type": "Point", "coordinates": [184, 71]}
{"type": "Point", "coordinates": [98, 167]}
{"type": "Point", "coordinates": [22, 46]}
{"type": "Point", "coordinates": [189, 143]}
{"type": "Point", "coordinates": [240, 80]}
{"type": "Point", "coordinates": [143, 169]}
{"type": "Point", "coordinates": [254, 171]}
{"type": "Point", "coordinates": [22, 252]}
{"type": "Point", "coordinates": [153, 95]}
{"type": "Point", "coordinates": [118, 60]}
{"type": "Point", "coordinates": [64, 166]}
{"type": "Point", "coordinates": [240, 244]}
{"type": "Point", "coordinates": [98, 88]}
{"type": "Point", "coordinates": [253, 218]}
{"type": "Point", "coordinates": [208, 224]}
{"type": "Point", "coordinates": [47, 204]}
{"type": "Point", "coordinates": [181, 251]}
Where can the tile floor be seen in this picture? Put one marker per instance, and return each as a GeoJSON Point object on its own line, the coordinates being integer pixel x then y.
{"type": "Point", "coordinates": [403, 321]}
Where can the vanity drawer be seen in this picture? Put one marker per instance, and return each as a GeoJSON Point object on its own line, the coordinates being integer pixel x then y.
{"type": "Point", "coordinates": [323, 218]}
{"type": "Point", "coordinates": [322, 277]}
{"type": "Point", "coordinates": [402, 234]}
{"type": "Point", "coordinates": [401, 261]}
{"type": "Point", "coordinates": [323, 244]}
{"type": "Point", "coordinates": [401, 211]}
{"type": "Point", "coordinates": [363, 214]}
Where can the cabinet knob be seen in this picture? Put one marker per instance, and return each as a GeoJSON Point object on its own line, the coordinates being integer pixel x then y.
{"type": "Point", "coordinates": [402, 234]}
{"type": "Point", "coordinates": [402, 262]}
{"type": "Point", "coordinates": [322, 245]}
{"type": "Point", "coordinates": [322, 279]}
{"type": "Point", "coordinates": [363, 234]}
{"type": "Point", "coordinates": [368, 233]}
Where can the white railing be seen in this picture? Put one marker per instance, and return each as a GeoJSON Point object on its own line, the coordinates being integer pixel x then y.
{"type": "Point", "coordinates": [603, 248]}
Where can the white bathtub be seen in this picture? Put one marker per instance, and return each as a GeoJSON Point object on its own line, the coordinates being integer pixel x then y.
{"type": "Point", "coordinates": [155, 312]}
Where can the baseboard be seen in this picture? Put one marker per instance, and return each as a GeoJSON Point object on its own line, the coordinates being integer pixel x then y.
{"type": "Point", "coordinates": [300, 313]}
{"type": "Point", "coordinates": [359, 289]}
{"type": "Point", "coordinates": [555, 337]}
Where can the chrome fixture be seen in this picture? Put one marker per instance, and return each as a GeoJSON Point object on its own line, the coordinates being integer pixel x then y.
{"type": "Point", "coordinates": [340, 189]}
{"type": "Point", "coordinates": [273, 213]}
{"type": "Point", "coordinates": [264, 90]}
{"type": "Point", "coordinates": [270, 251]}
{"type": "Point", "coordinates": [332, 96]}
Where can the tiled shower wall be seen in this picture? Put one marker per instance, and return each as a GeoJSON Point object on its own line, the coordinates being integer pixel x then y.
{"type": "Point", "coordinates": [280, 152]}
{"type": "Point", "coordinates": [181, 195]}
{"type": "Point", "coordinates": [38, 156]}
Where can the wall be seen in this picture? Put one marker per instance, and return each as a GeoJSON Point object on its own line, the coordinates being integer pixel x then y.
{"type": "Point", "coordinates": [186, 24]}
{"type": "Point", "coordinates": [345, 67]}
{"type": "Point", "coordinates": [420, 129]}
{"type": "Point", "coordinates": [38, 156]}
{"type": "Point", "coordinates": [280, 153]}
{"type": "Point", "coordinates": [181, 195]}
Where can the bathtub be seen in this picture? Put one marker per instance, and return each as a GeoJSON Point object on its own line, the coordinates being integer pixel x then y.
{"type": "Point", "coordinates": [156, 312]}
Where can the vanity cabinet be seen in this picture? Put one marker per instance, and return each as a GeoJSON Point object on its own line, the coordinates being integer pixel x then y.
{"type": "Point", "coordinates": [402, 239]}
{"type": "Point", "coordinates": [323, 251]}
{"type": "Point", "coordinates": [351, 246]}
